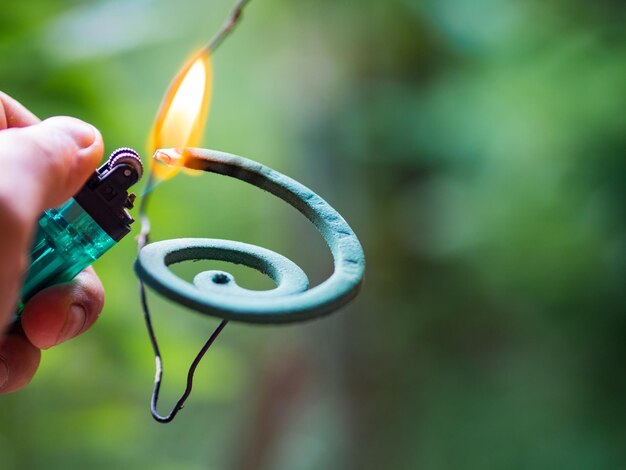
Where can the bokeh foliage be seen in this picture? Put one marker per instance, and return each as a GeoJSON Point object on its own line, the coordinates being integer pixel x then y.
{"type": "Point", "coordinates": [476, 147]}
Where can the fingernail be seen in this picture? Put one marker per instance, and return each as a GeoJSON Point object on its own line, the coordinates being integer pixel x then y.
{"type": "Point", "coordinates": [4, 372]}
{"type": "Point", "coordinates": [74, 324]}
{"type": "Point", "coordinates": [83, 134]}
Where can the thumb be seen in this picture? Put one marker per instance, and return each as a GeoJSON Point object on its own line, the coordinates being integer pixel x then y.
{"type": "Point", "coordinates": [44, 164]}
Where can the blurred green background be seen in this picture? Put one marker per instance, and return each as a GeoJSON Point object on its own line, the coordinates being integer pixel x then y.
{"type": "Point", "coordinates": [477, 149]}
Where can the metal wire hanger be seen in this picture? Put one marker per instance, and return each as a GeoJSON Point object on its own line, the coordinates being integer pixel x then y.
{"type": "Point", "coordinates": [159, 363]}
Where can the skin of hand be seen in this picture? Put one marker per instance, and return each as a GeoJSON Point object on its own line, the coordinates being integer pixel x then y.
{"type": "Point", "coordinates": [42, 164]}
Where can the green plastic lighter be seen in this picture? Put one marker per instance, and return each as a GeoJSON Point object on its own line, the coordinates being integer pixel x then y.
{"type": "Point", "coordinates": [71, 237]}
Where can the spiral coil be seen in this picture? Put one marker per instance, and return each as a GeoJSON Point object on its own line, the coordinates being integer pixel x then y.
{"type": "Point", "coordinates": [216, 293]}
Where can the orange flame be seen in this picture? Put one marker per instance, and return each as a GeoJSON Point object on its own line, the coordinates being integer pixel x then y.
{"type": "Point", "coordinates": [180, 120]}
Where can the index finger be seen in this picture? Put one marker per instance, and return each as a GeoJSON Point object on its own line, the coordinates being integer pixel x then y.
{"type": "Point", "coordinates": [13, 114]}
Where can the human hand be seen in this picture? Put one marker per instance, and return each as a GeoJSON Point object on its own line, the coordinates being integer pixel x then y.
{"type": "Point", "coordinates": [42, 164]}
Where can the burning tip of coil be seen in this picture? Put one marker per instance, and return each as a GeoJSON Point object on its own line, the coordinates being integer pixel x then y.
{"type": "Point", "coordinates": [169, 161]}
{"type": "Point", "coordinates": [170, 157]}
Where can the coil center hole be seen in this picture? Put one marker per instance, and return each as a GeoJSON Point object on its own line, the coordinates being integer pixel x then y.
{"type": "Point", "coordinates": [220, 278]}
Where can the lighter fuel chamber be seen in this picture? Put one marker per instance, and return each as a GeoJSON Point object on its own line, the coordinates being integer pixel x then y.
{"type": "Point", "coordinates": [71, 237]}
